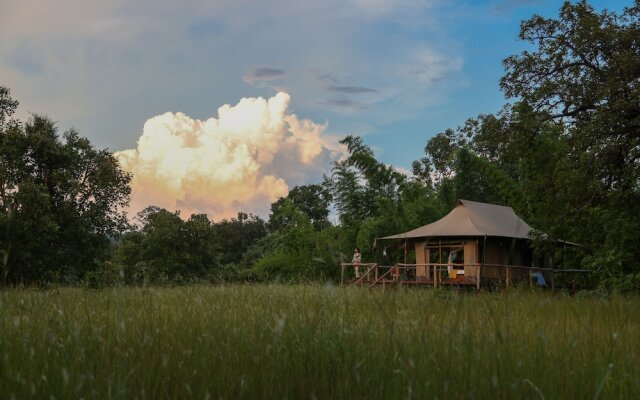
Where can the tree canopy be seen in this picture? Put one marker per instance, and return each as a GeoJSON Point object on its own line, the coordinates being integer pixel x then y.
{"type": "Point", "coordinates": [62, 200]}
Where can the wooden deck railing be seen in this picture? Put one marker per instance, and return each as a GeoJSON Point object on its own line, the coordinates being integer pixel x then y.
{"type": "Point", "coordinates": [552, 271]}
{"type": "Point", "coordinates": [436, 274]}
{"type": "Point", "coordinates": [367, 266]}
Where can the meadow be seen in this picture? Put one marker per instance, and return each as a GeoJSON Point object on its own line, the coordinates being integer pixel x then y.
{"type": "Point", "coordinates": [315, 341]}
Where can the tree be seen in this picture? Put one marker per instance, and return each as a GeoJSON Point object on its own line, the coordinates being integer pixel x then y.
{"type": "Point", "coordinates": [361, 185]}
{"type": "Point", "coordinates": [236, 235]}
{"type": "Point", "coordinates": [584, 74]}
{"type": "Point", "coordinates": [61, 200]}
{"type": "Point", "coordinates": [8, 106]}
{"type": "Point", "coordinates": [441, 150]}
{"type": "Point", "coordinates": [374, 200]}
{"type": "Point", "coordinates": [165, 247]}
{"type": "Point", "coordinates": [312, 200]}
{"type": "Point", "coordinates": [297, 251]}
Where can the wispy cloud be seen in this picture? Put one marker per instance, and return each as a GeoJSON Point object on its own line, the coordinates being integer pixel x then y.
{"type": "Point", "coordinates": [27, 60]}
{"type": "Point", "coordinates": [351, 89]}
{"type": "Point", "coordinates": [327, 76]}
{"type": "Point", "coordinates": [431, 66]}
{"type": "Point", "coordinates": [343, 104]}
{"type": "Point", "coordinates": [506, 6]}
{"type": "Point", "coordinates": [263, 74]}
{"type": "Point", "coordinates": [379, 8]}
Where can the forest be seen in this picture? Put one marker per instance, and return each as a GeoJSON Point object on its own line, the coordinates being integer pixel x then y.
{"type": "Point", "coordinates": [563, 152]}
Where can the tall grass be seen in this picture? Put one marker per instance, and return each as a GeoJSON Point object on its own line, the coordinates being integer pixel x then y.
{"type": "Point", "coordinates": [275, 341]}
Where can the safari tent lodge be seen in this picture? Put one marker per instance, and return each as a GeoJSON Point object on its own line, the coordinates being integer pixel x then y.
{"type": "Point", "coordinates": [475, 244]}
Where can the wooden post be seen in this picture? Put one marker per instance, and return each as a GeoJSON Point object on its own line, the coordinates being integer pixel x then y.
{"type": "Point", "coordinates": [440, 260]}
{"type": "Point", "coordinates": [484, 250]}
{"type": "Point", "coordinates": [405, 251]}
{"type": "Point", "coordinates": [507, 283]}
{"type": "Point", "coordinates": [342, 275]}
{"type": "Point", "coordinates": [435, 278]}
{"type": "Point", "coordinates": [564, 246]}
{"type": "Point", "coordinates": [478, 277]}
{"type": "Point", "coordinates": [484, 258]}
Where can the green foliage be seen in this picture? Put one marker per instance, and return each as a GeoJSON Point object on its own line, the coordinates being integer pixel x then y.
{"type": "Point", "coordinates": [282, 265]}
{"type": "Point", "coordinates": [8, 106]}
{"type": "Point", "coordinates": [312, 200]}
{"type": "Point", "coordinates": [61, 200]}
{"type": "Point", "coordinates": [168, 249]}
{"type": "Point", "coordinates": [373, 200]}
{"type": "Point", "coordinates": [362, 186]}
{"type": "Point", "coordinates": [298, 251]}
{"type": "Point", "coordinates": [583, 75]}
{"type": "Point", "coordinates": [236, 235]}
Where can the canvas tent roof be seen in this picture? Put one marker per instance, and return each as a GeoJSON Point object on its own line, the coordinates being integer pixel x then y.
{"type": "Point", "coordinates": [471, 218]}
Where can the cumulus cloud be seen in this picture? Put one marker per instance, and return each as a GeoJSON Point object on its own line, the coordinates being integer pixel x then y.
{"type": "Point", "coordinates": [244, 159]}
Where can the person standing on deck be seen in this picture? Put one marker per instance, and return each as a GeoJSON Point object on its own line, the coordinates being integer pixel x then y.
{"type": "Point", "coordinates": [357, 258]}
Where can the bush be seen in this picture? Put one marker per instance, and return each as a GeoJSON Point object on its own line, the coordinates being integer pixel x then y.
{"type": "Point", "coordinates": [282, 266]}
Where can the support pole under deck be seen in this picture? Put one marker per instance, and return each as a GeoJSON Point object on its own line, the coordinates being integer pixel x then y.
{"type": "Point", "coordinates": [405, 262]}
{"type": "Point", "coordinates": [484, 255]}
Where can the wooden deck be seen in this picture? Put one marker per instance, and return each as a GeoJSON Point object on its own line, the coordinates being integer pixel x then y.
{"type": "Point", "coordinates": [435, 275]}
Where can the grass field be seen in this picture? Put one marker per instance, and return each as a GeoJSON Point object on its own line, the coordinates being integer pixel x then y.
{"type": "Point", "coordinates": [274, 341]}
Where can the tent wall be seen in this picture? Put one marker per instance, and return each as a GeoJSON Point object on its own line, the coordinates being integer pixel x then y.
{"type": "Point", "coordinates": [471, 258]}
{"type": "Point", "coordinates": [422, 257]}
{"type": "Point", "coordinates": [498, 251]}
{"type": "Point", "coordinates": [504, 251]}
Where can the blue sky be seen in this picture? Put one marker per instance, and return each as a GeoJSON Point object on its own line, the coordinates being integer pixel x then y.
{"type": "Point", "coordinates": [393, 71]}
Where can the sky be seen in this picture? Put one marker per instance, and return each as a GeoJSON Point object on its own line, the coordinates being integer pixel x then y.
{"type": "Point", "coordinates": [220, 106]}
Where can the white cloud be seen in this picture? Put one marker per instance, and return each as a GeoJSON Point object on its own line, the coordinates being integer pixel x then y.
{"type": "Point", "coordinates": [243, 160]}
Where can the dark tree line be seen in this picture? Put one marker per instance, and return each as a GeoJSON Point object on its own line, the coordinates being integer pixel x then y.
{"type": "Point", "coordinates": [564, 153]}
{"type": "Point", "coordinates": [166, 248]}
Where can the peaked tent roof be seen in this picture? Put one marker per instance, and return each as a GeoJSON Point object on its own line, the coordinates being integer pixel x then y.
{"type": "Point", "coordinates": [471, 218]}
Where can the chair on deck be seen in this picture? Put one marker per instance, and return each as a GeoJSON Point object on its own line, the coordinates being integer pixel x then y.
{"type": "Point", "coordinates": [539, 280]}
